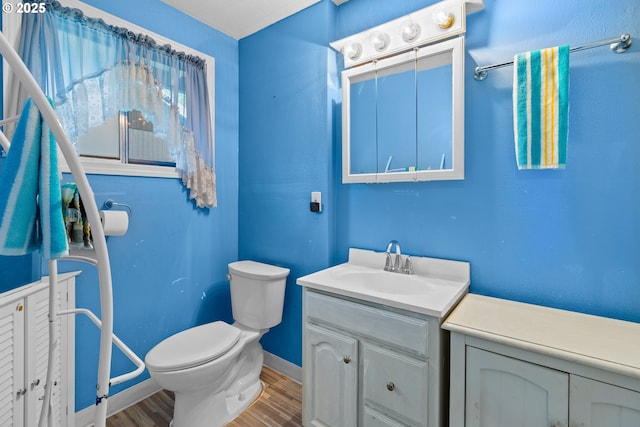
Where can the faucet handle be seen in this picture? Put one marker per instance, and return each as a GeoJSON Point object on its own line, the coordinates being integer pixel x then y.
{"type": "Point", "coordinates": [408, 267]}
{"type": "Point", "coordinates": [387, 264]}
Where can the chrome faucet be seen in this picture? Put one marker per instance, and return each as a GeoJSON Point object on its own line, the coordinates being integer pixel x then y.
{"type": "Point", "coordinates": [406, 268]}
{"type": "Point", "coordinates": [396, 264]}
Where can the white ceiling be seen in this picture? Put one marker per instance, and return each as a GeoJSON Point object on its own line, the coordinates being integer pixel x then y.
{"type": "Point", "coordinates": [240, 18]}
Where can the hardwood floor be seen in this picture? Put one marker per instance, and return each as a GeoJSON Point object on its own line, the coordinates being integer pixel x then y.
{"type": "Point", "coordinates": [279, 405]}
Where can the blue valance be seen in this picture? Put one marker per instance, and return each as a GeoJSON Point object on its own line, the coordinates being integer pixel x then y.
{"type": "Point", "coordinates": [93, 70]}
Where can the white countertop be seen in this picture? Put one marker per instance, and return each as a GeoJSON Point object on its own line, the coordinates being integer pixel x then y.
{"type": "Point", "coordinates": [445, 282]}
{"type": "Point", "coordinates": [598, 341]}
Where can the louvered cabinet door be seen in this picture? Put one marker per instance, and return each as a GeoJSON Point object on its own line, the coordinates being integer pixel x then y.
{"type": "Point", "coordinates": [37, 352]}
{"type": "Point", "coordinates": [12, 388]}
{"type": "Point", "coordinates": [24, 353]}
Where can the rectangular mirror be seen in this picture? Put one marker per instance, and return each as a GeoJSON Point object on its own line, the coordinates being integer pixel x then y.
{"type": "Point", "coordinates": [435, 110]}
{"type": "Point", "coordinates": [396, 107]}
{"type": "Point", "coordinates": [363, 118]}
{"type": "Point", "coordinates": [403, 116]}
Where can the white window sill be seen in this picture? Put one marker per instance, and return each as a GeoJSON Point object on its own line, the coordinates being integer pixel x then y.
{"type": "Point", "coordinates": [116, 167]}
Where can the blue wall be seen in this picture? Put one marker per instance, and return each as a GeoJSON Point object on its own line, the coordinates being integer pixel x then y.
{"type": "Point", "coordinates": [568, 239]}
{"type": "Point", "coordinates": [287, 86]}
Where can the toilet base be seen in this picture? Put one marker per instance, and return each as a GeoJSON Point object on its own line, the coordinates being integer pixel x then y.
{"type": "Point", "coordinates": [201, 409]}
{"type": "Point", "coordinates": [238, 403]}
{"type": "Point", "coordinates": [235, 405]}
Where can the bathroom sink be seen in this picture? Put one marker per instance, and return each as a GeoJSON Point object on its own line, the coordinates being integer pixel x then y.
{"type": "Point", "coordinates": [433, 289]}
{"type": "Point", "coordinates": [385, 282]}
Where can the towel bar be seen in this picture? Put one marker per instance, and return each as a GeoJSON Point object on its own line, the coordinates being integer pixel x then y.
{"type": "Point", "coordinates": [617, 45]}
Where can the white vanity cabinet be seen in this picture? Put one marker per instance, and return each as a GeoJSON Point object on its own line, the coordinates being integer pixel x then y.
{"type": "Point", "coordinates": [523, 365]}
{"type": "Point", "coordinates": [24, 350]}
{"type": "Point", "coordinates": [365, 364]}
{"type": "Point", "coordinates": [373, 352]}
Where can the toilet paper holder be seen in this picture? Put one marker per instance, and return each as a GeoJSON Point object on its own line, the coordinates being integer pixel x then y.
{"type": "Point", "coordinates": [109, 203]}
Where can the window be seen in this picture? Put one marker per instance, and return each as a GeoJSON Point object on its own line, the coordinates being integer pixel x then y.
{"type": "Point", "coordinates": [128, 138]}
{"type": "Point", "coordinates": [131, 87]}
{"type": "Point", "coordinates": [140, 144]}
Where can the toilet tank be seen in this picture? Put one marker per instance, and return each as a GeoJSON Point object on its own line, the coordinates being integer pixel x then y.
{"type": "Point", "coordinates": [257, 293]}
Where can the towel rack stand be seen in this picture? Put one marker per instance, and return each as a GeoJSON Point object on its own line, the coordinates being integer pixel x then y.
{"type": "Point", "coordinates": [100, 251]}
{"type": "Point", "coordinates": [617, 45]}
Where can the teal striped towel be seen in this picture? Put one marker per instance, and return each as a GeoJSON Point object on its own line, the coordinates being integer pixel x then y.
{"type": "Point", "coordinates": [541, 108]}
{"type": "Point", "coordinates": [30, 200]}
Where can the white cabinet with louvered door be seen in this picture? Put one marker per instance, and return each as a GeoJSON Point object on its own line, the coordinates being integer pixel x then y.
{"type": "Point", "coordinates": [37, 342]}
{"type": "Point", "coordinates": [12, 364]}
{"type": "Point", "coordinates": [24, 352]}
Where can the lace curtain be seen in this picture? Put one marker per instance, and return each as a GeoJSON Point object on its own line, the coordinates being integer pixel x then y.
{"type": "Point", "coordinates": [92, 71]}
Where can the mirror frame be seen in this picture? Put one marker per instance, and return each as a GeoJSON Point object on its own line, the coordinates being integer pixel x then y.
{"type": "Point", "coordinates": [456, 47]}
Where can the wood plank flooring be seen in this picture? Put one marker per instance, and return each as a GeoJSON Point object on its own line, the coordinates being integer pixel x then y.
{"type": "Point", "coordinates": [279, 405]}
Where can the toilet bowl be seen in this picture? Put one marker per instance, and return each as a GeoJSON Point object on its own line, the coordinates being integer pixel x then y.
{"type": "Point", "coordinates": [214, 369]}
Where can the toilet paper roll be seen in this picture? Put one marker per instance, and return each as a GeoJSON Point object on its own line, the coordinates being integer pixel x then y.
{"type": "Point", "coordinates": [114, 223]}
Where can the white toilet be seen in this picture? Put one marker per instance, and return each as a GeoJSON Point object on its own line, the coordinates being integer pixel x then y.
{"type": "Point", "coordinates": [214, 369]}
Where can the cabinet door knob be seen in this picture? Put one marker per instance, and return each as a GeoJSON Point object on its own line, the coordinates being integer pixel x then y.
{"type": "Point", "coordinates": [346, 359]}
{"type": "Point", "coordinates": [21, 392]}
{"type": "Point", "coordinates": [35, 382]}
{"type": "Point", "coordinates": [391, 386]}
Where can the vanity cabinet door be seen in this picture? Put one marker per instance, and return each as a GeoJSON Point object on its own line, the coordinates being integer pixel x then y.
{"type": "Point", "coordinates": [395, 385]}
{"type": "Point", "coordinates": [501, 391]}
{"type": "Point", "coordinates": [330, 383]}
{"type": "Point", "coordinates": [597, 404]}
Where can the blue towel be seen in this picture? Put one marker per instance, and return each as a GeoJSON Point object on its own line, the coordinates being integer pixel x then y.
{"type": "Point", "coordinates": [30, 199]}
{"type": "Point", "coordinates": [541, 108]}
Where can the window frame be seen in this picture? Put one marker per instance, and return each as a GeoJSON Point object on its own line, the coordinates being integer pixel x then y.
{"type": "Point", "coordinates": [102, 166]}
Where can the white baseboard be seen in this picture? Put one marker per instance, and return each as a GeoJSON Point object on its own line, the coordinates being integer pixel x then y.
{"type": "Point", "coordinates": [285, 367]}
{"type": "Point", "coordinates": [132, 395]}
{"type": "Point", "coordinates": [119, 402]}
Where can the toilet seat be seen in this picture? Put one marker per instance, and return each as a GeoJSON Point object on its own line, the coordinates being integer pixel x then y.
{"type": "Point", "coordinates": [193, 347]}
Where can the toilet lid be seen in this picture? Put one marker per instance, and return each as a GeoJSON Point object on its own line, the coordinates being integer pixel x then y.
{"type": "Point", "coordinates": [257, 270]}
{"type": "Point", "coordinates": [193, 347]}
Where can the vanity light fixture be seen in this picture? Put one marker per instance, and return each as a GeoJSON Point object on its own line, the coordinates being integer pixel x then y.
{"type": "Point", "coordinates": [444, 19]}
{"type": "Point", "coordinates": [352, 50]}
{"type": "Point", "coordinates": [440, 21]}
{"type": "Point", "coordinates": [410, 31]}
{"type": "Point", "coordinates": [379, 41]}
